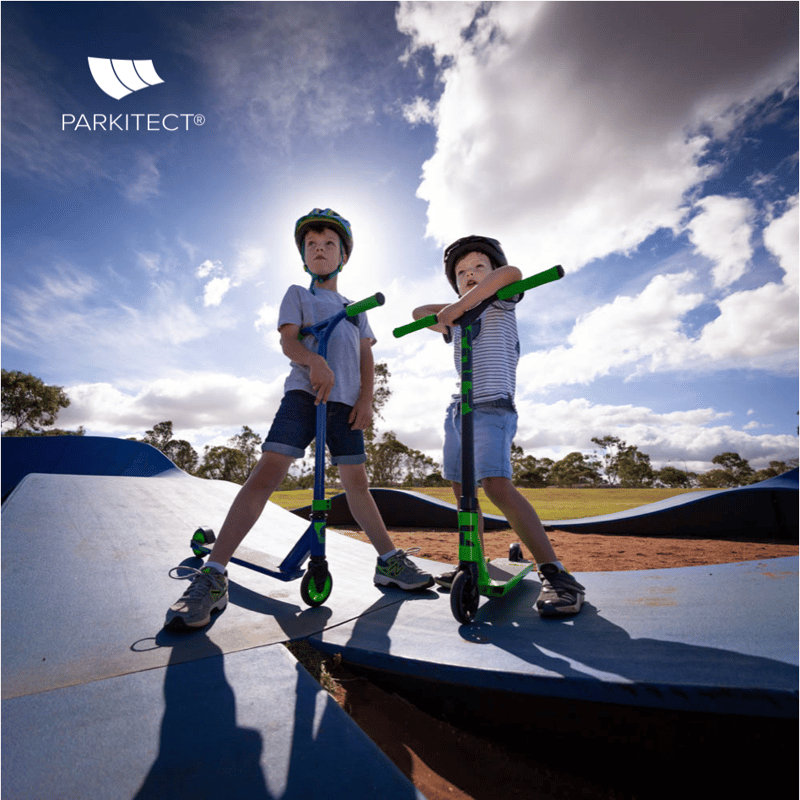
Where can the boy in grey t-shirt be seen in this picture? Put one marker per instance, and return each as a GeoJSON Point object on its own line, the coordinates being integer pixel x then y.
{"type": "Point", "coordinates": [344, 381]}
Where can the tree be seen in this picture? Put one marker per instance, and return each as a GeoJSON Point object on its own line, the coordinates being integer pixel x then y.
{"type": "Point", "coordinates": [575, 470]}
{"type": "Point", "coordinates": [30, 404]}
{"type": "Point", "coordinates": [179, 451]}
{"type": "Point", "coordinates": [735, 471]}
{"type": "Point", "coordinates": [675, 478]}
{"type": "Point", "coordinates": [222, 463]}
{"type": "Point", "coordinates": [774, 469]}
{"type": "Point", "coordinates": [395, 464]}
{"type": "Point", "coordinates": [529, 471]}
{"type": "Point", "coordinates": [380, 396]}
{"type": "Point", "coordinates": [249, 443]}
{"type": "Point", "coordinates": [611, 446]}
{"type": "Point", "coordinates": [625, 464]}
{"type": "Point", "coordinates": [633, 468]}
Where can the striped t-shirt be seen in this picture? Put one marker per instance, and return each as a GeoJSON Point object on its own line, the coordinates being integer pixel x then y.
{"type": "Point", "coordinates": [495, 353]}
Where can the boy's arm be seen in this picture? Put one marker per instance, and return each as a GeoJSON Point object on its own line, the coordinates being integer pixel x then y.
{"type": "Point", "coordinates": [427, 311]}
{"type": "Point", "coordinates": [321, 375]}
{"type": "Point", "coordinates": [361, 415]}
{"type": "Point", "coordinates": [490, 285]}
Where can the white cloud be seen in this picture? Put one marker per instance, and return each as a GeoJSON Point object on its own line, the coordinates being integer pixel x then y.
{"type": "Point", "coordinates": [630, 335]}
{"type": "Point", "coordinates": [758, 328]}
{"type": "Point", "coordinates": [781, 239]}
{"type": "Point", "coordinates": [419, 110]}
{"type": "Point", "coordinates": [144, 183]}
{"type": "Point", "coordinates": [198, 404]}
{"type": "Point", "coordinates": [215, 290]}
{"type": "Point", "coordinates": [569, 145]}
{"type": "Point", "coordinates": [207, 268]}
{"type": "Point", "coordinates": [722, 232]}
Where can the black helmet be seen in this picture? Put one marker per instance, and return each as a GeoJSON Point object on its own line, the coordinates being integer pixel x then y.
{"type": "Point", "coordinates": [469, 244]}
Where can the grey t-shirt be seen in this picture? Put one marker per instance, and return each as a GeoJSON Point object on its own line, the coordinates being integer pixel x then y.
{"type": "Point", "coordinates": [300, 307]}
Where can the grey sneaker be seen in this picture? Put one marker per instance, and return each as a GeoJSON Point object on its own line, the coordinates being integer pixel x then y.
{"type": "Point", "coordinates": [445, 580]}
{"type": "Point", "coordinates": [400, 571]}
{"type": "Point", "coordinates": [207, 592]}
{"type": "Point", "coordinates": [561, 594]}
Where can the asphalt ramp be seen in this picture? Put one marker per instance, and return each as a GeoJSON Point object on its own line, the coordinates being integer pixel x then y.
{"type": "Point", "coordinates": [100, 702]}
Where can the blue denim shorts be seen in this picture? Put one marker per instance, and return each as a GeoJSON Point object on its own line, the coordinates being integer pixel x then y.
{"type": "Point", "coordinates": [495, 425]}
{"type": "Point", "coordinates": [295, 426]}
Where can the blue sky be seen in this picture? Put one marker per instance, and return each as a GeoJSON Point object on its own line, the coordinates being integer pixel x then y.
{"type": "Point", "coordinates": [651, 149]}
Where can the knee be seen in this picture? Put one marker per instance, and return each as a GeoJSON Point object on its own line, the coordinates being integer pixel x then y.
{"type": "Point", "coordinates": [269, 472]}
{"type": "Point", "coordinates": [497, 488]}
{"type": "Point", "coordinates": [354, 478]}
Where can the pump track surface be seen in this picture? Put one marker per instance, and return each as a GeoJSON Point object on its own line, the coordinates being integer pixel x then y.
{"type": "Point", "coordinates": [665, 673]}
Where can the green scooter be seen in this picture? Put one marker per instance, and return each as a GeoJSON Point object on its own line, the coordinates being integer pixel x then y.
{"type": "Point", "coordinates": [472, 577]}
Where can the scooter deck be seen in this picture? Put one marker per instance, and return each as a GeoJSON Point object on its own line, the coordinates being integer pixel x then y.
{"type": "Point", "coordinates": [258, 562]}
{"type": "Point", "coordinates": [503, 576]}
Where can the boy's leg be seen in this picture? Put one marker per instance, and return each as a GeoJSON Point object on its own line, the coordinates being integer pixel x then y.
{"type": "Point", "coordinates": [208, 590]}
{"type": "Point", "coordinates": [397, 570]}
{"type": "Point", "coordinates": [249, 504]}
{"type": "Point", "coordinates": [561, 594]}
{"type": "Point", "coordinates": [363, 508]}
{"type": "Point", "coordinates": [521, 516]}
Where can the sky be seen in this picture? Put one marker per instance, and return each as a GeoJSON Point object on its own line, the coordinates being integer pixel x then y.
{"type": "Point", "coordinates": [649, 148]}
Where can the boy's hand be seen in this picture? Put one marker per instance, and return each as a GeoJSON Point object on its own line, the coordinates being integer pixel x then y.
{"type": "Point", "coordinates": [361, 415]}
{"type": "Point", "coordinates": [322, 380]}
{"type": "Point", "coordinates": [449, 314]}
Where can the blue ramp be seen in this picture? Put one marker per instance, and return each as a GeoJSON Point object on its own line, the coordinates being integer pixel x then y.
{"type": "Point", "coordinates": [99, 702]}
{"type": "Point", "coordinates": [716, 639]}
{"type": "Point", "coordinates": [402, 508]}
{"type": "Point", "coordinates": [768, 509]}
{"type": "Point", "coordinates": [78, 455]}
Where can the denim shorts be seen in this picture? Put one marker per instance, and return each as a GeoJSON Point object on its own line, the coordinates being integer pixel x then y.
{"type": "Point", "coordinates": [295, 426]}
{"type": "Point", "coordinates": [495, 425]}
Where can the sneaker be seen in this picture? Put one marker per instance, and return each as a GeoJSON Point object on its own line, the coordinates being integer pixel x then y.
{"type": "Point", "coordinates": [561, 594]}
{"type": "Point", "coordinates": [400, 571]}
{"type": "Point", "coordinates": [445, 580]}
{"type": "Point", "coordinates": [207, 592]}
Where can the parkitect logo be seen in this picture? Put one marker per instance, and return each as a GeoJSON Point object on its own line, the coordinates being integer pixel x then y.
{"type": "Point", "coordinates": [119, 78]}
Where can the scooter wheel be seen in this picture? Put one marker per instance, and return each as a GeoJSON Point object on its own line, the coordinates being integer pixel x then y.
{"type": "Point", "coordinates": [315, 589]}
{"type": "Point", "coordinates": [464, 597]}
{"type": "Point", "coordinates": [515, 552]}
{"type": "Point", "coordinates": [202, 536]}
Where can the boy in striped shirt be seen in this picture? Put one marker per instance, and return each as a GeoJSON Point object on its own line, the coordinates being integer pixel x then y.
{"type": "Point", "coordinates": [477, 268]}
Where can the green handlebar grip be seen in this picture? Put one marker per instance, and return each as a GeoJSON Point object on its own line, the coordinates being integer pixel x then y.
{"type": "Point", "coordinates": [548, 276]}
{"type": "Point", "coordinates": [417, 325]}
{"type": "Point", "coordinates": [365, 305]}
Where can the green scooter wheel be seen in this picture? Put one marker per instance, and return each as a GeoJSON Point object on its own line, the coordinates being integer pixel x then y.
{"type": "Point", "coordinates": [315, 589]}
{"type": "Point", "coordinates": [464, 597]}
{"type": "Point", "coordinates": [202, 536]}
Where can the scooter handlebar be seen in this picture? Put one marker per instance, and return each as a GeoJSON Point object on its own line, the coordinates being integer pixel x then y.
{"type": "Point", "coordinates": [547, 276]}
{"type": "Point", "coordinates": [365, 305]}
{"type": "Point", "coordinates": [417, 325]}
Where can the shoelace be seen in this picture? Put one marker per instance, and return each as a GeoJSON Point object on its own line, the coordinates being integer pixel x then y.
{"type": "Point", "coordinates": [190, 573]}
{"type": "Point", "coordinates": [403, 556]}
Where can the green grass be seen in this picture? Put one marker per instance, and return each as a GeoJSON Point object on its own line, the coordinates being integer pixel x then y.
{"type": "Point", "coordinates": [550, 503]}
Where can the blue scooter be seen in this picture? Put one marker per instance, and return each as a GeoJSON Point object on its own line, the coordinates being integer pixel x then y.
{"type": "Point", "coordinates": [317, 582]}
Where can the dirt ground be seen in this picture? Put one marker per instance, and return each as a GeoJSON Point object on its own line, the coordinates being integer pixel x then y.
{"type": "Point", "coordinates": [447, 763]}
